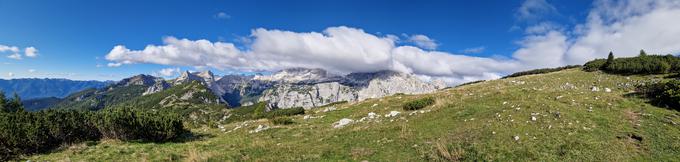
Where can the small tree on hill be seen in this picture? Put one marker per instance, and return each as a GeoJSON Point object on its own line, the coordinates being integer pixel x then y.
{"type": "Point", "coordinates": [13, 105]}
{"type": "Point", "coordinates": [610, 60]}
{"type": "Point", "coordinates": [643, 53]}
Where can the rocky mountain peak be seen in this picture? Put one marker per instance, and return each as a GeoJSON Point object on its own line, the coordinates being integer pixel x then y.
{"type": "Point", "coordinates": [206, 75]}
{"type": "Point", "coordinates": [141, 79]}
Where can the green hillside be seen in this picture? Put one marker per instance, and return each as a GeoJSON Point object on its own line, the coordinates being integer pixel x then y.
{"type": "Point", "coordinates": [568, 115]}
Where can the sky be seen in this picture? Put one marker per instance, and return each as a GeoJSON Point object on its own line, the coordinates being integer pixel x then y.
{"type": "Point", "coordinates": [453, 41]}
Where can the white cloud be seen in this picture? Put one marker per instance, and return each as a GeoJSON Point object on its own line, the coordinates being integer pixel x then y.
{"type": "Point", "coordinates": [532, 10]}
{"type": "Point", "coordinates": [31, 70]}
{"type": "Point", "coordinates": [31, 52]}
{"type": "Point", "coordinates": [15, 56]}
{"type": "Point", "coordinates": [10, 74]}
{"type": "Point", "coordinates": [222, 15]}
{"type": "Point", "coordinates": [167, 72]}
{"type": "Point", "coordinates": [114, 64]}
{"type": "Point", "coordinates": [14, 52]}
{"type": "Point", "coordinates": [13, 49]}
{"type": "Point", "coordinates": [423, 41]}
{"type": "Point", "coordinates": [479, 49]}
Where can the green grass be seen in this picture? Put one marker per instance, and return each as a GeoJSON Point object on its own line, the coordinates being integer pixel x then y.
{"type": "Point", "coordinates": [463, 124]}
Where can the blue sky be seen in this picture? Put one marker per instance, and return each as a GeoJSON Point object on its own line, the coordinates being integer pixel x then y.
{"type": "Point", "coordinates": [73, 37]}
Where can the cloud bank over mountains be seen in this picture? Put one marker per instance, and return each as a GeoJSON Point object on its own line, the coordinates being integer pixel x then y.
{"type": "Point", "coordinates": [624, 27]}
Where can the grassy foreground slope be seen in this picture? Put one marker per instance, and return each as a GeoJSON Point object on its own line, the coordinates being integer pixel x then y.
{"type": "Point", "coordinates": [545, 117]}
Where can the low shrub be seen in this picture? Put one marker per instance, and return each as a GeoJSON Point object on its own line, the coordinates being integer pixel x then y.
{"type": "Point", "coordinates": [541, 71]}
{"type": "Point", "coordinates": [418, 104]}
{"type": "Point", "coordinates": [282, 112]}
{"type": "Point", "coordinates": [129, 124]}
{"type": "Point", "coordinates": [282, 121]}
{"type": "Point", "coordinates": [664, 94]}
{"type": "Point", "coordinates": [594, 65]}
{"type": "Point", "coordinates": [23, 133]}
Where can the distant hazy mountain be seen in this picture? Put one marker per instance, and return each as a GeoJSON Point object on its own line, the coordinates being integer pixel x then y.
{"type": "Point", "coordinates": [32, 88]}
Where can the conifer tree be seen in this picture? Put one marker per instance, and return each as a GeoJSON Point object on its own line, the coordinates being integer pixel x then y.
{"type": "Point", "coordinates": [3, 102]}
{"type": "Point", "coordinates": [643, 53]}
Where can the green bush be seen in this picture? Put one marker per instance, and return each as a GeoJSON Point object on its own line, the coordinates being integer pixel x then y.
{"type": "Point", "coordinates": [282, 121]}
{"type": "Point", "coordinates": [541, 71]}
{"type": "Point", "coordinates": [23, 133]}
{"type": "Point", "coordinates": [664, 94]}
{"type": "Point", "coordinates": [130, 124]}
{"type": "Point", "coordinates": [594, 65]}
{"type": "Point", "coordinates": [418, 104]}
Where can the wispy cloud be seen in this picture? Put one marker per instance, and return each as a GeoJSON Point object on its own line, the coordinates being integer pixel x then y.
{"type": "Point", "coordinates": [222, 15]}
{"type": "Point", "coordinates": [532, 10]}
{"type": "Point", "coordinates": [479, 49]}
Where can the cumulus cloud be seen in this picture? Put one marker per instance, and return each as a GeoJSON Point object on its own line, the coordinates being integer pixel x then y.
{"type": "Point", "coordinates": [31, 70]}
{"type": "Point", "coordinates": [423, 41]}
{"type": "Point", "coordinates": [13, 52]}
{"type": "Point", "coordinates": [167, 72]}
{"type": "Point", "coordinates": [649, 25]}
{"type": "Point", "coordinates": [339, 50]}
{"type": "Point", "coordinates": [623, 27]}
{"type": "Point", "coordinates": [479, 49]}
{"type": "Point", "coordinates": [31, 52]}
{"type": "Point", "coordinates": [10, 74]}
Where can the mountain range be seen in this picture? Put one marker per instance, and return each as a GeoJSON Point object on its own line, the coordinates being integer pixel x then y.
{"type": "Point", "coordinates": [31, 88]}
{"type": "Point", "coordinates": [288, 88]}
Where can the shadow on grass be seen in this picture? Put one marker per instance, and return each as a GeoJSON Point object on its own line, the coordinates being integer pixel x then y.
{"type": "Point", "coordinates": [186, 137]}
{"type": "Point", "coordinates": [650, 100]}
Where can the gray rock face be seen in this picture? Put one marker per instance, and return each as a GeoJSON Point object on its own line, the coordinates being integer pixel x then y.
{"type": "Point", "coordinates": [160, 85]}
{"type": "Point", "coordinates": [353, 87]}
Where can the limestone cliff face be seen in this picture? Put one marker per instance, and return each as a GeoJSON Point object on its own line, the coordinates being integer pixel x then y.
{"type": "Point", "coordinates": [353, 87]}
{"type": "Point", "coordinates": [300, 87]}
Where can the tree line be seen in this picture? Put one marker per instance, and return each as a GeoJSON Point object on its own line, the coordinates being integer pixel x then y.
{"type": "Point", "coordinates": [642, 64]}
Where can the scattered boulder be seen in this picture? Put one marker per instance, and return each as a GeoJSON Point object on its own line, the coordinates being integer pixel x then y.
{"type": "Point", "coordinates": [342, 123]}
{"type": "Point", "coordinates": [594, 89]}
{"type": "Point", "coordinates": [259, 128]}
{"type": "Point", "coordinates": [607, 90]}
{"type": "Point", "coordinates": [392, 114]}
{"type": "Point", "coordinates": [372, 115]}
{"type": "Point", "coordinates": [328, 109]}
{"type": "Point", "coordinates": [533, 118]}
{"type": "Point", "coordinates": [516, 138]}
